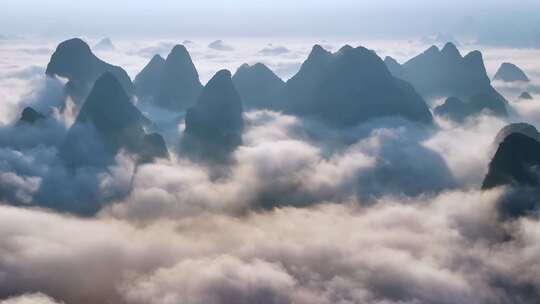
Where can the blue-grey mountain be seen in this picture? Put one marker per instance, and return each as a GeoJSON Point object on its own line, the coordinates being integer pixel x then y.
{"type": "Point", "coordinates": [348, 87]}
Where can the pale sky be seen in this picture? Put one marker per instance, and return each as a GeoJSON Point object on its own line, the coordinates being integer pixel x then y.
{"type": "Point", "coordinates": [493, 21]}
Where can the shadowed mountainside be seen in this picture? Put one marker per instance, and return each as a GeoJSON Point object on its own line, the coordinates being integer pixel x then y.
{"type": "Point", "coordinates": [348, 87]}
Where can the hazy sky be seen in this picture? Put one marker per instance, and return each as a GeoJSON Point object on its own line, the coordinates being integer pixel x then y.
{"type": "Point", "coordinates": [506, 21]}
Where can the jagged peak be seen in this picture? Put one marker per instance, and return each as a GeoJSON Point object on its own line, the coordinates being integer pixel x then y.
{"type": "Point", "coordinates": [220, 76]}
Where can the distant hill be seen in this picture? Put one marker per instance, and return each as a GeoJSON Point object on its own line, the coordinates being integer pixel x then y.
{"type": "Point", "coordinates": [509, 72]}
{"type": "Point", "coordinates": [445, 73]}
{"type": "Point", "coordinates": [525, 96]}
{"type": "Point", "coordinates": [458, 110]}
{"type": "Point", "coordinates": [30, 115]}
{"type": "Point", "coordinates": [104, 44]}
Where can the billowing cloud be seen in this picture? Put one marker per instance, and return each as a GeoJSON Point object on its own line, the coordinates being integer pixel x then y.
{"type": "Point", "coordinates": [417, 251]}
{"type": "Point", "coordinates": [33, 298]}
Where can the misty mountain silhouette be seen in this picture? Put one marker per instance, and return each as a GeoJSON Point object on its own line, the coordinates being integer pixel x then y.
{"type": "Point", "coordinates": [257, 85]}
{"type": "Point", "coordinates": [178, 80]}
{"type": "Point", "coordinates": [509, 72]}
{"type": "Point", "coordinates": [458, 110]}
{"type": "Point", "coordinates": [104, 44]}
{"type": "Point", "coordinates": [148, 82]}
{"type": "Point", "coordinates": [107, 123]}
{"type": "Point", "coordinates": [348, 87]}
{"type": "Point", "coordinates": [445, 73]}
{"type": "Point", "coordinates": [525, 96]}
{"type": "Point", "coordinates": [215, 123]}
{"type": "Point", "coordinates": [515, 162]}
{"type": "Point", "coordinates": [30, 115]}
{"type": "Point", "coordinates": [74, 60]}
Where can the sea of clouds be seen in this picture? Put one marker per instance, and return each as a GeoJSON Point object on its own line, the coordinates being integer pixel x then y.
{"type": "Point", "coordinates": [386, 212]}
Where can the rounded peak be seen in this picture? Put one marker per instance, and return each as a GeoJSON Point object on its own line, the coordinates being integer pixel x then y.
{"type": "Point", "coordinates": [450, 49]}
{"type": "Point", "coordinates": [525, 95]}
{"type": "Point", "coordinates": [510, 72]}
{"type": "Point", "coordinates": [449, 45]}
{"type": "Point", "coordinates": [474, 55]}
{"type": "Point", "coordinates": [519, 139]}
{"type": "Point", "coordinates": [244, 66]}
{"type": "Point", "coordinates": [432, 50]}
{"type": "Point", "coordinates": [521, 128]}
{"type": "Point", "coordinates": [73, 47]}
{"type": "Point", "coordinates": [74, 43]}
{"type": "Point", "coordinates": [28, 110]}
{"type": "Point", "coordinates": [178, 50]}
{"type": "Point", "coordinates": [317, 48]}
{"type": "Point", "coordinates": [222, 75]}
{"type": "Point", "coordinates": [30, 115]}
{"type": "Point", "coordinates": [345, 48]}
{"type": "Point", "coordinates": [259, 65]}
{"type": "Point", "coordinates": [508, 65]}
{"type": "Point", "coordinates": [157, 58]}
{"type": "Point", "coordinates": [71, 57]}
